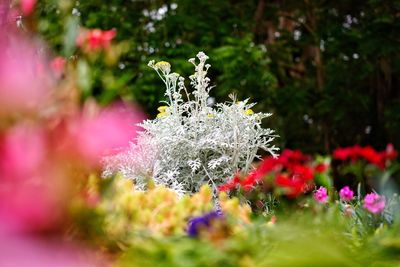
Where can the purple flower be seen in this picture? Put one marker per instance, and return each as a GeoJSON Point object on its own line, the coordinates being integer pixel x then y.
{"type": "Point", "coordinates": [196, 224]}
{"type": "Point", "coordinates": [346, 193]}
{"type": "Point", "coordinates": [374, 203]}
{"type": "Point", "coordinates": [321, 195]}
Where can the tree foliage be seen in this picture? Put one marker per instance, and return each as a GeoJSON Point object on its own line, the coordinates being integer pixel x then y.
{"type": "Point", "coordinates": [328, 70]}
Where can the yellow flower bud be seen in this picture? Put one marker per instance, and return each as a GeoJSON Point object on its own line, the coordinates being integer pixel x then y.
{"type": "Point", "coordinates": [162, 108]}
{"type": "Point", "coordinates": [164, 66]}
{"type": "Point", "coordinates": [249, 112]}
{"type": "Point", "coordinates": [162, 114]}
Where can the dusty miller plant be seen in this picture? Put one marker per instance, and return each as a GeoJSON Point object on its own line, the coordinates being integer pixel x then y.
{"type": "Point", "coordinates": [191, 143]}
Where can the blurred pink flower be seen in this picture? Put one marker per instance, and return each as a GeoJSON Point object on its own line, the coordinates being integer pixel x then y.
{"type": "Point", "coordinates": [374, 203]}
{"type": "Point", "coordinates": [95, 39]}
{"type": "Point", "coordinates": [23, 152]}
{"type": "Point", "coordinates": [24, 84]}
{"type": "Point", "coordinates": [34, 252]}
{"type": "Point", "coordinates": [321, 195]}
{"type": "Point", "coordinates": [28, 207]}
{"type": "Point", "coordinates": [58, 66]}
{"type": "Point", "coordinates": [27, 195]}
{"type": "Point", "coordinates": [94, 136]}
{"type": "Point", "coordinates": [27, 6]}
{"type": "Point", "coordinates": [390, 153]}
{"type": "Point", "coordinates": [346, 193]}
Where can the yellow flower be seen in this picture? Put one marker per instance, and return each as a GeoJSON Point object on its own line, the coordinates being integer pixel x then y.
{"type": "Point", "coordinates": [209, 115]}
{"type": "Point", "coordinates": [164, 66]}
{"type": "Point", "coordinates": [249, 111]}
{"type": "Point", "coordinates": [162, 108]}
{"type": "Point", "coordinates": [162, 114]}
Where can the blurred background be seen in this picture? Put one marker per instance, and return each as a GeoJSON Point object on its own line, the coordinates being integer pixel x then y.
{"type": "Point", "coordinates": [328, 70]}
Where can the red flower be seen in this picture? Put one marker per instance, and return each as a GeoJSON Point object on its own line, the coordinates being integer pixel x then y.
{"type": "Point", "coordinates": [96, 39]}
{"type": "Point", "coordinates": [289, 157]}
{"type": "Point", "coordinates": [267, 165]}
{"type": "Point", "coordinates": [230, 185]}
{"type": "Point", "coordinates": [367, 153]}
{"type": "Point", "coordinates": [249, 182]}
{"type": "Point", "coordinates": [302, 171]}
{"type": "Point", "coordinates": [342, 153]}
{"type": "Point", "coordinates": [371, 155]}
{"type": "Point", "coordinates": [294, 185]}
{"type": "Point", "coordinates": [289, 170]}
{"type": "Point", "coordinates": [321, 167]}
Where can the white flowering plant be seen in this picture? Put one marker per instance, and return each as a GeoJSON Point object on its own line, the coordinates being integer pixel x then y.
{"type": "Point", "coordinates": [192, 143]}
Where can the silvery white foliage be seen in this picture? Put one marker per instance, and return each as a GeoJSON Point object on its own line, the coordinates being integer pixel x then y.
{"type": "Point", "coordinates": [191, 143]}
{"type": "Point", "coordinates": [138, 162]}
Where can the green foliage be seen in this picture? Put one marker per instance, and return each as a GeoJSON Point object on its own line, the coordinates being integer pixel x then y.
{"type": "Point", "coordinates": [327, 70]}
{"type": "Point", "coordinates": [298, 240]}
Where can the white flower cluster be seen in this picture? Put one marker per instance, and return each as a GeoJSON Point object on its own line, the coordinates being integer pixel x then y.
{"type": "Point", "coordinates": [191, 143]}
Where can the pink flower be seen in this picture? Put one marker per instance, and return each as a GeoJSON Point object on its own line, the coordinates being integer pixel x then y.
{"type": "Point", "coordinates": [346, 194]}
{"type": "Point", "coordinates": [24, 85]}
{"type": "Point", "coordinates": [321, 195]}
{"type": "Point", "coordinates": [22, 152]}
{"type": "Point", "coordinates": [58, 65]}
{"type": "Point", "coordinates": [374, 203]}
{"type": "Point", "coordinates": [390, 153]}
{"type": "Point", "coordinates": [29, 199]}
{"type": "Point", "coordinates": [27, 6]}
{"type": "Point", "coordinates": [23, 250]}
{"type": "Point", "coordinates": [29, 207]}
{"type": "Point", "coordinates": [93, 136]}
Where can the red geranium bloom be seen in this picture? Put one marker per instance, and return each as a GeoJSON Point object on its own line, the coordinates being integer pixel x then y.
{"type": "Point", "coordinates": [371, 155]}
{"type": "Point", "coordinates": [96, 39]}
{"type": "Point", "coordinates": [294, 185]}
{"type": "Point", "coordinates": [342, 153]}
{"type": "Point", "coordinates": [321, 167]}
{"type": "Point", "coordinates": [368, 153]}
{"type": "Point", "coordinates": [303, 171]}
{"type": "Point", "coordinates": [289, 170]}
{"type": "Point", "coordinates": [230, 185]}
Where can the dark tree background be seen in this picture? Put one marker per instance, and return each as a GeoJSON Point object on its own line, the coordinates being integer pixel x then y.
{"type": "Point", "coordinates": [328, 70]}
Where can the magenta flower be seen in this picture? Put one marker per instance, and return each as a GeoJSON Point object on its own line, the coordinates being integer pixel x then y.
{"type": "Point", "coordinates": [374, 203]}
{"type": "Point", "coordinates": [346, 193]}
{"type": "Point", "coordinates": [321, 195]}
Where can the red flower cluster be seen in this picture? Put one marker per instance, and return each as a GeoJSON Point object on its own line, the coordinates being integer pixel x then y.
{"type": "Point", "coordinates": [291, 171]}
{"type": "Point", "coordinates": [367, 153]}
{"type": "Point", "coordinates": [96, 39]}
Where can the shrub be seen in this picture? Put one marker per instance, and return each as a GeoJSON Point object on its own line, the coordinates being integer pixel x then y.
{"type": "Point", "coordinates": [192, 142]}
